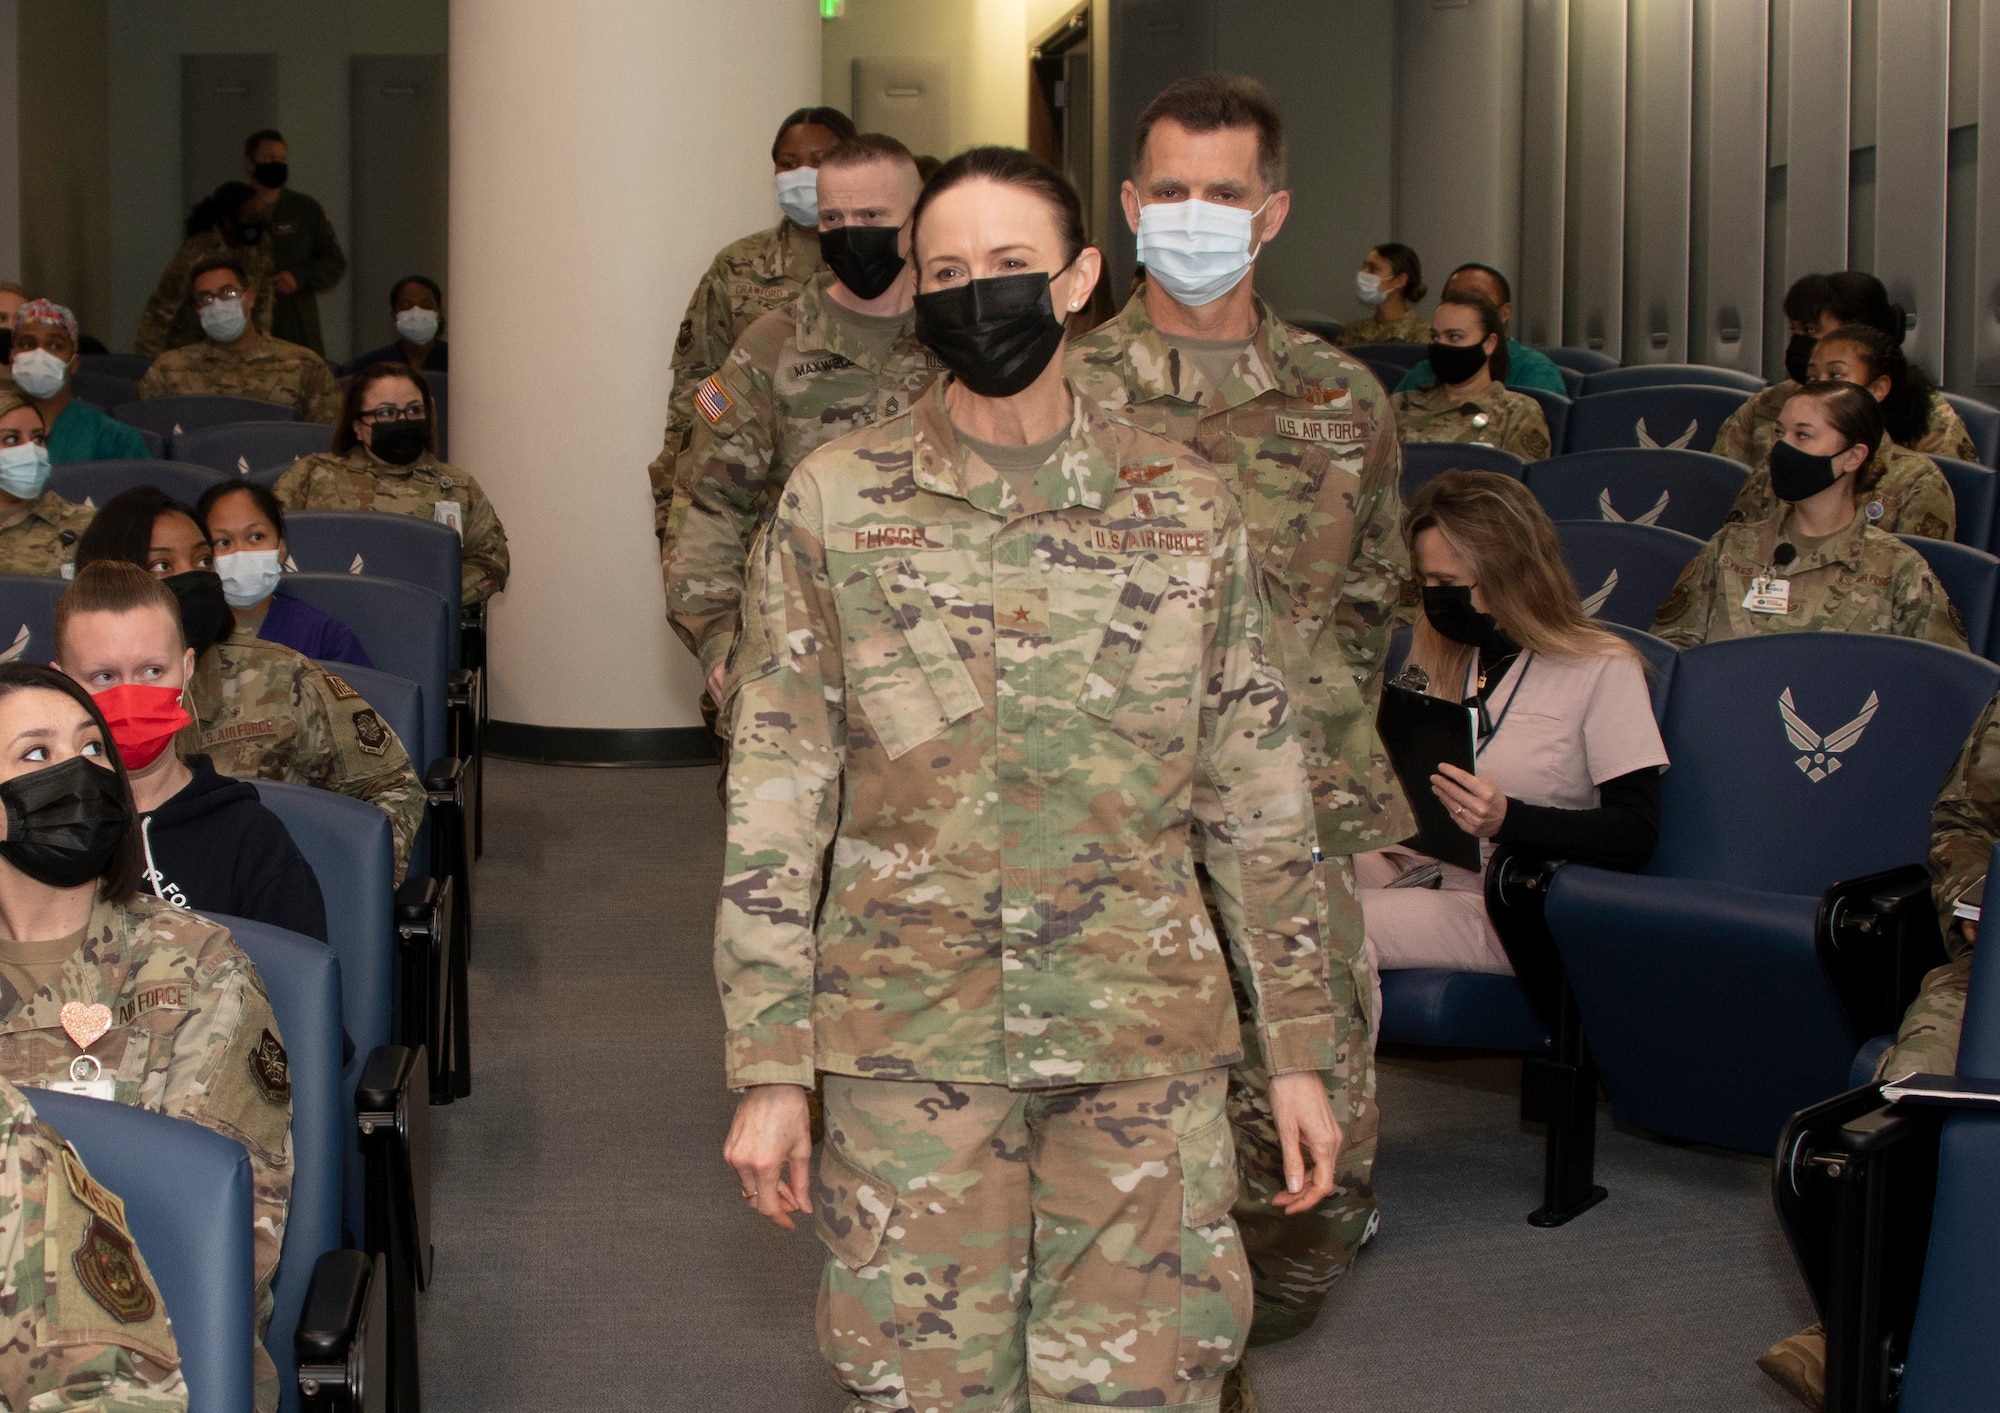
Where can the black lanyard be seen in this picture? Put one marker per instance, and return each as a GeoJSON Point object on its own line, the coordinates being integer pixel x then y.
{"type": "Point", "coordinates": [1486, 736]}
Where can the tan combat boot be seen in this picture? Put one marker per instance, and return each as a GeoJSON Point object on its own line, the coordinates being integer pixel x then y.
{"type": "Point", "coordinates": [1797, 1365]}
{"type": "Point", "coordinates": [1237, 1395]}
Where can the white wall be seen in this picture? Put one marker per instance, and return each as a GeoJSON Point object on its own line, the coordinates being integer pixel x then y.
{"type": "Point", "coordinates": [313, 42]}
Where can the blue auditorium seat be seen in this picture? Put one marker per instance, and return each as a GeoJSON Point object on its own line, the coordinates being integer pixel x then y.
{"type": "Point", "coordinates": [1556, 412]}
{"type": "Point", "coordinates": [1799, 761]}
{"type": "Point", "coordinates": [186, 1191]}
{"type": "Point", "coordinates": [1971, 580]}
{"type": "Point", "coordinates": [1672, 416]}
{"type": "Point", "coordinates": [407, 631]}
{"type": "Point", "coordinates": [1661, 658]}
{"type": "Point", "coordinates": [170, 416]}
{"type": "Point", "coordinates": [1579, 360]}
{"type": "Point", "coordinates": [103, 391]}
{"type": "Point", "coordinates": [302, 978]}
{"type": "Point", "coordinates": [98, 481]}
{"type": "Point", "coordinates": [1653, 375]}
{"type": "Point", "coordinates": [1404, 356]}
{"type": "Point", "coordinates": [1688, 491]}
{"type": "Point", "coordinates": [256, 451]}
{"type": "Point", "coordinates": [1623, 572]}
{"type": "Point", "coordinates": [1424, 462]}
{"type": "Point", "coordinates": [1982, 422]}
{"type": "Point", "coordinates": [28, 617]}
{"type": "Point", "coordinates": [399, 547]}
{"type": "Point", "coordinates": [1461, 1009]}
{"type": "Point", "coordinates": [1975, 490]}
{"type": "Point", "coordinates": [117, 365]}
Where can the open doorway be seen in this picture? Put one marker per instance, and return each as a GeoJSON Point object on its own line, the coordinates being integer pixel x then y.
{"type": "Point", "coordinates": [1059, 99]}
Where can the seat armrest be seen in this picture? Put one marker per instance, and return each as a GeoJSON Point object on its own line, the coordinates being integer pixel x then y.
{"type": "Point", "coordinates": [473, 616]}
{"type": "Point", "coordinates": [1516, 891]}
{"type": "Point", "coordinates": [416, 899]}
{"type": "Point", "coordinates": [459, 685]}
{"type": "Point", "coordinates": [445, 777]}
{"type": "Point", "coordinates": [389, 1077]}
{"type": "Point", "coordinates": [1876, 937]}
{"type": "Point", "coordinates": [341, 1340]}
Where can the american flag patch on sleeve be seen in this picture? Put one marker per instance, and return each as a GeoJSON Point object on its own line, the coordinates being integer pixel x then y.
{"type": "Point", "coordinates": [712, 400]}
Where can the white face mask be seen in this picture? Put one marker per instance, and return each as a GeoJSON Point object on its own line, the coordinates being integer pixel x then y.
{"type": "Point", "coordinates": [24, 470]}
{"type": "Point", "coordinates": [224, 320]}
{"type": "Point", "coordinates": [798, 195]}
{"type": "Point", "coordinates": [417, 325]}
{"type": "Point", "coordinates": [39, 373]}
{"type": "Point", "coordinates": [1369, 287]}
{"type": "Point", "coordinates": [248, 576]}
{"type": "Point", "coordinates": [1197, 250]}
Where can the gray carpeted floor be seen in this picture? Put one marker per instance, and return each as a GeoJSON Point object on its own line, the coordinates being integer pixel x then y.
{"type": "Point", "coordinates": [592, 1250]}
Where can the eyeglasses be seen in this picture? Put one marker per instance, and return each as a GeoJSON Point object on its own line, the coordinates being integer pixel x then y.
{"type": "Point", "coordinates": [205, 297]}
{"type": "Point", "coordinates": [389, 412]}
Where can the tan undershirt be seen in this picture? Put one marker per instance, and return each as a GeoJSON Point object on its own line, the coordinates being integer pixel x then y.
{"type": "Point", "coordinates": [877, 333]}
{"type": "Point", "coordinates": [29, 966]}
{"type": "Point", "coordinates": [1017, 465]}
{"type": "Point", "coordinates": [1214, 359]}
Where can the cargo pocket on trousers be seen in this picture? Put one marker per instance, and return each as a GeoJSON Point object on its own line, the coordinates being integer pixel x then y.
{"type": "Point", "coordinates": [1216, 1299]}
{"type": "Point", "coordinates": [921, 685]}
{"type": "Point", "coordinates": [852, 1212]}
{"type": "Point", "coordinates": [1150, 709]}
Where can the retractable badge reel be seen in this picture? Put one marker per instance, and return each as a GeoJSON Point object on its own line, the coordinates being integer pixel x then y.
{"type": "Point", "coordinates": [86, 1025]}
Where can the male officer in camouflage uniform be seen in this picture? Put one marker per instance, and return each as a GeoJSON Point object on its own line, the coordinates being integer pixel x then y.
{"type": "Point", "coordinates": [179, 1025]}
{"type": "Point", "coordinates": [807, 372]}
{"type": "Point", "coordinates": [168, 320]}
{"type": "Point", "coordinates": [1305, 437]}
{"type": "Point", "coordinates": [747, 280]}
{"type": "Point", "coordinates": [995, 699]}
{"type": "Point", "coordinates": [253, 364]}
{"type": "Point", "coordinates": [85, 1324]}
{"type": "Point", "coordinates": [1857, 581]}
{"type": "Point", "coordinates": [263, 712]}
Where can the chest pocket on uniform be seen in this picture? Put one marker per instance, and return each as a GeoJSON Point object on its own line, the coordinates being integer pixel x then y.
{"type": "Point", "coordinates": [909, 678]}
{"type": "Point", "coordinates": [1136, 684]}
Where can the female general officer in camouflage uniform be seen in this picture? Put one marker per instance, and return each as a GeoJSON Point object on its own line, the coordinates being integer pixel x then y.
{"type": "Point", "coordinates": [989, 647]}
{"type": "Point", "coordinates": [1814, 563]}
{"type": "Point", "coordinates": [109, 992]}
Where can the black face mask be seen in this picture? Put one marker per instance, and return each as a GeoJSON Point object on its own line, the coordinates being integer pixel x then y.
{"type": "Point", "coordinates": [864, 257]}
{"type": "Point", "coordinates": [1456, 362]}
{"type": "Point", "coordinates": [270, 174]}
{"type": "Point", "coordinates": [63, 822]}
{"type": "Point", "coordinates": [400, 443]}
{"type": "Point", "coordinates": [1799, 475]}
{"type": "Point", "coordinates": [995, 335]}
{"type": "Point", "coordinates": [1797, 353]}
{"type": "Point", "coordinates": [1450, 611]}
{"type": "Point", "coordinates": [250, 234]}
{"type": "Point", "coordinates": [205, 613]}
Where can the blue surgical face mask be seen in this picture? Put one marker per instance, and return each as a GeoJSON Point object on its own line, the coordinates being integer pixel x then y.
{"type": "Point", "coordinates": [1368, 286]}
{"type": "Point", "coordinates": [248, 576]}
{"type": "Point", "coordinates": [224, 320]}
{"type": "Point", "coordinates": [24, 470]}
{"type": "Point", "coordinates": [417, 324]}
{"type": "Point", "coordinates": [39, 373]}
{"type": "Point", "coordinates": [1197, 250]}
{"type": "Point", "coordinates": [798, 195]}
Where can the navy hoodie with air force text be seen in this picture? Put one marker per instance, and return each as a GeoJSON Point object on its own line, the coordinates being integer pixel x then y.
{"type": "Point", "coordinates": [215, 848]}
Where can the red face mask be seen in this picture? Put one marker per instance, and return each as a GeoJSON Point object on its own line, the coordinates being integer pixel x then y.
{"type": "Point", "coordinates": [142, 720]}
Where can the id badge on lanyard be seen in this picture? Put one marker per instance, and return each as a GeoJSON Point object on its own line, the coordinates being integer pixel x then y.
{"type": "Point", "coordinates": [1769, 595]}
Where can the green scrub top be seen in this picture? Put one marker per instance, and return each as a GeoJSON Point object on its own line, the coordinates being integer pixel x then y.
{"type": "Point", "coordinates": [1526, 368]}
{"type": "Point", "coordinates": [82, 433]}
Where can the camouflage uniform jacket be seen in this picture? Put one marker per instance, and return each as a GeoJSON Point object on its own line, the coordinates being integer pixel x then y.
{"type": "Point", "coordinates": [263, 712]}
{"type": "Point", "coordinates": [1911, 497]}
{"type": "Point", "coordinates": [793, 383]}
{"type": "Point", "coordinates": [1748, 432]}
{"type": "Point", "coordinates": [995, 705]}
{"type": "Point", "coordinates": [270, 370]}
{"type": "Point", "coordinates": [39, 536]}
{"type": "Point", "coordinates": [169, 320]}
{"type": "Point", "coordinates": [747, 280]}
{"type": "Point", "coordinates": [85, 1323]}
{"type": "Point", "coordinates": [1411, 328]}
{"type": "Point", "coordinates": [1857, 581]}
{"type": "Point", "coordinates": [191, 1036]}
{"type": "Point", "coordinates": [1965, 824]}
{"type": "Point", "coordinates": [1498, 417]}
{"type": "Point", "coordinates": [357, 481]}
{"type": "Point", "coordinates": [1304, 436]}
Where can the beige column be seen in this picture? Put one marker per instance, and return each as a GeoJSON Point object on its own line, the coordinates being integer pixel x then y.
{"type": "Point", "coordinates": [602, 151]}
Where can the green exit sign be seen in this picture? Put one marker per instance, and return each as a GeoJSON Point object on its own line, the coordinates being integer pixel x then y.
{"type": "Point", "coordinates": [832, 9]}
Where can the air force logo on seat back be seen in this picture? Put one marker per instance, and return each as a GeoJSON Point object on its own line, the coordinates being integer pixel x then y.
{"type": "Point", "coordinates": [1819, 761]}
{"type": "Point", "coordinates": [1651, 517]}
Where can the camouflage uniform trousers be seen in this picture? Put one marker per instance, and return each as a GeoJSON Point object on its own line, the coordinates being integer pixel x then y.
{"type": "Point", "coordinates": [1024, 1251]}
{"type": "Point", "coordinates": [1927, 1040]}
{"type": "Point", "coordinates": [1295, 1259]}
